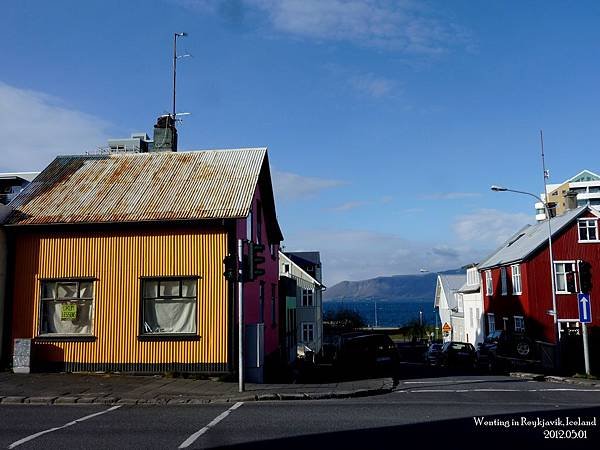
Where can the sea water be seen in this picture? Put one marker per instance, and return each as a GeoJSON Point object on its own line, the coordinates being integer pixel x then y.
{"type": "Point", "coordinates": [390, 313]}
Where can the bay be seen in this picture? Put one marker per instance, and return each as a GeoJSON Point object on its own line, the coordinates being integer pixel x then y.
{"type": "Point", "coordinates": [390, 313]}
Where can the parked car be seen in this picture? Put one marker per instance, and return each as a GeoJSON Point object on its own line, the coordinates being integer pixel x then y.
{"type": "Point", "coordinates": [500, 346]}
{"type": "Point", "coordinates": [362, 354]}
{"type": "Point", "coordinates": [433, 355]}
{"type": "Point", "coordinates": [459, 354]}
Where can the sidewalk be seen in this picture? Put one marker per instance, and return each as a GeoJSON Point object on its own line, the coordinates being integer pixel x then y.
{"type": "Point", "coordinates": [556, 379]}
{"type": "Point", "coordinates": [64, 388]}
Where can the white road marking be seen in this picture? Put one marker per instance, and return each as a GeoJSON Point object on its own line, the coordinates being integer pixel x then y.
{"type": "Point", "coordinates": [190, 440]}
{"type": "Point", "coordinates": [442, 382]}
{"type": "Point", "coordinates": [50, 430]}
{"type": "Point", "coordinates": [413, 391]}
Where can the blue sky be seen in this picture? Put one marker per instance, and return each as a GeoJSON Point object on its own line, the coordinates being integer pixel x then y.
{"type": "Point", "coordinates": [386, 121]}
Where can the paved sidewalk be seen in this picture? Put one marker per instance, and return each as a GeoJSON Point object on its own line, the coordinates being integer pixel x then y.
{"type": "Point", "coordinates": [63, 388]}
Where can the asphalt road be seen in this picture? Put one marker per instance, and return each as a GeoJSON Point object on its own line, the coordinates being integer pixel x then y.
{"type": "Point", "coordinates": [431, 413]}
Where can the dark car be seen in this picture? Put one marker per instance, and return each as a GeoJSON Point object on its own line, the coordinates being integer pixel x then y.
{"type": "Point", "coordinates": [366, 354]}
{"type": "Point", "coordinates": [500, 346]}
{"type": "Point", "coordinates": [433, 355]}
{"type": "Point", "coordinates": [459, 354]}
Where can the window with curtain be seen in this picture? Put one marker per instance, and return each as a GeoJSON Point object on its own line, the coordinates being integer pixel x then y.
{"type": "Point", "coordinates": [67, 307]}
{"type": "Point", "coordinates": [169, 305]}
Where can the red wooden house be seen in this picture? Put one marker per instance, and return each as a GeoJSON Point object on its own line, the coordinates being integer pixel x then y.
{"type": "Point", "coordinates": [517, 288]}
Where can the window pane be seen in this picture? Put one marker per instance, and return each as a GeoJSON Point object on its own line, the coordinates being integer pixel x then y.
{"type": "Point", "coordinates": [561, 284]}
{"type": "Point", "coordinates": [86, 289]}
{"type": "Point", "coordinates": [150, 289]}
{"type": "Point", "coordinates": [66, 290]}
{"type": "Point", "coordinates": [170, 316]}
{"type": "Point", "coordinates": [169, 288]}
{"type": "Point", "coordinates": [67, 317]}
{"type": "Point", "coordinates": [188, 288]}
{"type": "Point", "coordinates": [48, 289]}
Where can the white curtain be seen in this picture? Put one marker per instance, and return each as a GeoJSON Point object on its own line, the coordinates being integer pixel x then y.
{"type": "Point", "coordinates": [54, 323]}
{"type": "Point", "coordinates": [170, 316]}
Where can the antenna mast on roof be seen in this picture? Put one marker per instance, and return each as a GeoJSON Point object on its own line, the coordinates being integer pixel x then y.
{"type": "Point", "coordinates": [546, 174]}
{"type": "Point", "coordinates": [175, 58]}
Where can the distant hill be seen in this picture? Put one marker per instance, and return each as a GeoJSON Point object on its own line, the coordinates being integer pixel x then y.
{"type": "Point", "coordinates": [397, 287]}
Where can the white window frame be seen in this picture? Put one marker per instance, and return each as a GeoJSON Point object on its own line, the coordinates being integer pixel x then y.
{"type": "Point", "coordinates": [503, 281]}
{"type": "Point", "coordinates": [471, 317]}
{"type": "Point", "coordinates": [308, 331]}
{"type": "Point", "coordinates": [587, 222]}
{"type": "Point", "coordinates": [519, 328]}
{"type": "Point", "coordinates": [489, 286]}
{"type": "Point", "coordinates": [491, 319]}
{"type": "Point", "coordinates": [472, 277]}
{"type": "Point", "coordinates": [563, 275]}
{"type": "Point", "coordinates": [517, 287]}
{"type": "Point", "coordinates": [308, 297]}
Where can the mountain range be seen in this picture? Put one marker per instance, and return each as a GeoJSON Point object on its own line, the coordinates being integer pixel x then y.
{"type": "Point", "coordinates": [396, 287]}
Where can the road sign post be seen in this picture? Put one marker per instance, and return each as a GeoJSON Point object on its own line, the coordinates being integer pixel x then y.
{"type": "Point", "coordinates": [585, 317]}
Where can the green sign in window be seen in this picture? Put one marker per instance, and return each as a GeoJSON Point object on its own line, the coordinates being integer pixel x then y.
{"type": "Point", "coordinates": [68, 311]}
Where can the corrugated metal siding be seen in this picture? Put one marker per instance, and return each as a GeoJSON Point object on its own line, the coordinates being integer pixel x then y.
{"type": "Point", "coordinates": [142, 187]}
{"type": "Point", "coordinates": [118, 260]}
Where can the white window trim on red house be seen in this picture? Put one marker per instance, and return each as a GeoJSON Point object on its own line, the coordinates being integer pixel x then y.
{"type": "Point", "coordinates": [587, 221]}
{"type": "Point", "coordinates": [563, 274]}
{"type": "Point", "coordinates": [517, 287]}
{"type": "Point", "coordinates": [489, 287]}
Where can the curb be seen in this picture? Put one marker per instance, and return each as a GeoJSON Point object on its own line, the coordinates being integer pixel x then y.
{"type": "Point", "coordinates": [555, 379]}
{"type": "Point", "coordinates": [178, 401]}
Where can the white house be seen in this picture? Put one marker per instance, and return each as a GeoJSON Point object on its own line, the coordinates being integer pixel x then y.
{"type": "Point", "coordinates": [307, 309]}
{"type": "Point", "coordinates": [450, 306]}
{"type": "Point", "coordinates": [472, 302]}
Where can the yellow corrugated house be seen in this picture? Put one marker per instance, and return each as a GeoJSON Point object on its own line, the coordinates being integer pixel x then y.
{"type": "Point", "coordinates": [116, 261]}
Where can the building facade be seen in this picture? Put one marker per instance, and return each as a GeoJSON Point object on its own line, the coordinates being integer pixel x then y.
{"type": "Point", "coordinates": [120, 261]}
{"type": "Point", "coordinates": [581, 190]}
{"type": "Point", "coordinates": [11, 184]}
{"type": "Point", "coordinates": [304, 302]}
{"type": "Point", "coordinates": [450, 306]}
{"type": "Point", "coordinates": [517, 285]}
{"type": "Point", "coordinates": [472, 302]}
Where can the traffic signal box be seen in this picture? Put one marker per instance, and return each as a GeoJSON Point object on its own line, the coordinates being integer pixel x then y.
{"type": "Point", "coordinates": [230, 272]}
{"type": "Point", "coordinates": [255, 261]}
{"type": "Point", "coordinates": [585, 277]}
{"type": "Point", "coordinates": [570, 276]}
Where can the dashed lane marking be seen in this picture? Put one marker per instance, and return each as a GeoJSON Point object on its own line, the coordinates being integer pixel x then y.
{"type": "Point", "coordinates": [66, 425]}
{"type": "Point", "coordinates": [190, 440]}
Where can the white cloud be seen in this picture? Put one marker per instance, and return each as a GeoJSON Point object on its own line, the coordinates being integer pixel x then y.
{"type": "Point", "coordinates": [36, 127]}
{"type": "Point", "coordinates": [450, 195]}
{"type": "Point", "coordinates": [290, 186]}
{"type": "Point", "coordinates": [348, 206]}
{"type": "Point", "coordinates": [372, 85]}
{"type": "Point", "coordinates": [489, 226]}
{"type": "Point", "coordinates": [363, 254]}
{"type": "Point", "coordinates": [401, 25]}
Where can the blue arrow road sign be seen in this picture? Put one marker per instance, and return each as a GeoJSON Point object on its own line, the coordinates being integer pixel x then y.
{"type": "Point", "coordinates": [585, 308]}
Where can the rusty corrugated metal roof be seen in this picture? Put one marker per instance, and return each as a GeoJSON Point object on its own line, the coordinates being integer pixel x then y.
{"type": "Point", "coordinates": [161, 186]}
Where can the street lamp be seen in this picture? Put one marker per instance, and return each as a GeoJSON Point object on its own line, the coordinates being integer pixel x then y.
{"type": "Point", "coordinates": [554, 311]}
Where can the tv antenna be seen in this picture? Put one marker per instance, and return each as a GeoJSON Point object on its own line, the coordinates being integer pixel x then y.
{"type": "Point", "coordinates": [175, 58]}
